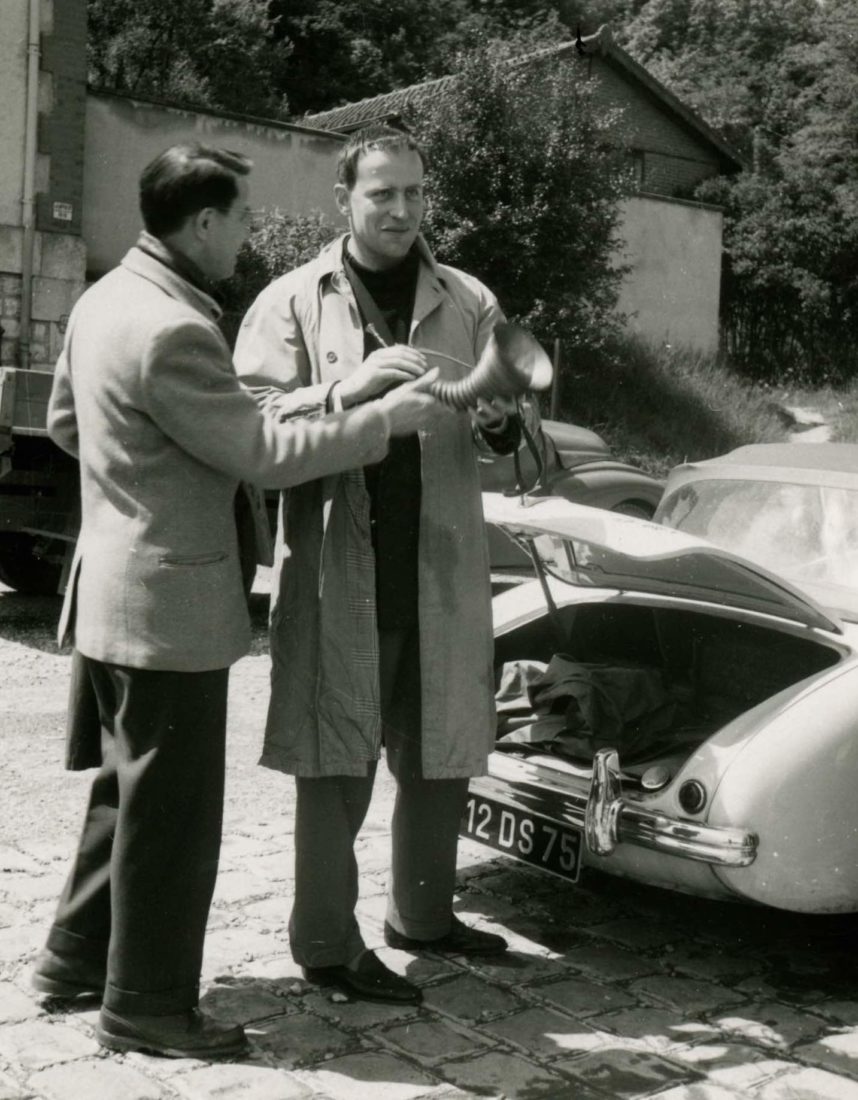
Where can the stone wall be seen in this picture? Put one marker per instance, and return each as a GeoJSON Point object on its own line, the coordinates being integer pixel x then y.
{"type": "Point", "coordinates": [59, 253]}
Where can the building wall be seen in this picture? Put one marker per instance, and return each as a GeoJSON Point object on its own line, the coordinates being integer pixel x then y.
{"type": "Point", "coordinates": [674, 158]}
{"type": "Point", "coordinates": [671, 294]}
{"type": "Point", "coordinates": [58, 261]}
{"type": "Point", "coordinates": [294, 168]}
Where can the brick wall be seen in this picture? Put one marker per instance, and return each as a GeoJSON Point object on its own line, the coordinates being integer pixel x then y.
{"type": "Point", "coordinates": [674, 158]}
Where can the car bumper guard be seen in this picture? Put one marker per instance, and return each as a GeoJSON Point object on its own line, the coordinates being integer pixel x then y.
{"type": "Point", "coordinates": [594, 803]}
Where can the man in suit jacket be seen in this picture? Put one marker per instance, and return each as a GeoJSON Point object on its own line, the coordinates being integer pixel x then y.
{"type": "Point", "coordinates": [146, 397]}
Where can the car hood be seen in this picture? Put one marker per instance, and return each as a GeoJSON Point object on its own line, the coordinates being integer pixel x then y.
{"type": "Point", "coordinates": [591, 547]}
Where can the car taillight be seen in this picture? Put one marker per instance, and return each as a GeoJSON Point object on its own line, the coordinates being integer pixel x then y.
{"type": "Point", "coordinates": [692, 796]}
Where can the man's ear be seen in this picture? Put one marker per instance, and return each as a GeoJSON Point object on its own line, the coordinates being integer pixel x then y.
{"type": "Point", "coordinates": [341, 195]}
{"type": "Point", "coordinates": [201, 222]}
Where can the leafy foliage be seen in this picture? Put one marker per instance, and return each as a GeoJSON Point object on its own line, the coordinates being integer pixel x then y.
{"type": "Point", "coordinates": [279, 243]}
{"type": "Point", "coordinates": [523, 187]}
{"type": "Point", "coordinates": [780, 78]}
{"type": "Point", "coordinates": [214, 53]}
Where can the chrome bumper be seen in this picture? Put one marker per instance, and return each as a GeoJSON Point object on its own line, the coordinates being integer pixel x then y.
{"type": "Point", "coordinates": [593, 803]}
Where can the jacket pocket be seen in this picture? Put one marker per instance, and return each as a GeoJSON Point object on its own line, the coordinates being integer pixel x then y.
{"type": "Point", "coordinates": [211, 558]}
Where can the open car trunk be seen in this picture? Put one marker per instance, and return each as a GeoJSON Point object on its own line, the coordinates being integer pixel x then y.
{"type": "Point", "coordinates": [652, 682]}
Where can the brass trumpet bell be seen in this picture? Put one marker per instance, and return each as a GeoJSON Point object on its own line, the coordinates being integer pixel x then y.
{"type": "Point", "coordinates": [512, 362]}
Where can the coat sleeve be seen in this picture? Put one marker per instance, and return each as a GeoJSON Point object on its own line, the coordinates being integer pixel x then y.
{"type": "Point", "coordinates": [62, 418]}
{"type": "Point", "coordinates": [271, 358]}
{"type": "Point", "coordinates": [191, 392]}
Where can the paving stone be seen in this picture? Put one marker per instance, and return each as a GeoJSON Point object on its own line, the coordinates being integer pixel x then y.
{"type": "Point", "coordinates": [621, 1073]}
{"type": "Point", "coordinates": [364, 1017]}
{"type": "Point", "coordinates": [540, 1031]}
{"type": "Point", "coordinates": [14, 861]}
{"type": "Point", "coordinates": [714, 965]}
{"type": "Point", "coordinates": [240, 1082]}
{"type": "Point", "coordinates": [469, 999]}
{"type": "Point", "coordinates": [659, 1029]}
{"type": "Point", "coordinates": [837, 1052]}
{"type": "Point", "coordinates": [733, 1065]}
{"type": "Point", "coordinates": [700, 1090]}
{"type": "Point", "coordinates": [102, 1077]}
{"type": "Point", "coordinates": [417, 968]}
{"type": "Point", "coordinates": [513, 1078]}
{"type": "Point", "coordinates": [845, 1012]}
{"type": "Point", "coordinates": [46, 885]}
{"type": "Point", "coordinates": [511, 967]}
{"type": "Point", "coordinates": [235, 886]}
{"type": "Point", "coordinates": [9, 914]}
{"type": "Point", "coordinates": [371, 1076]}
{"type": "Point", "coordinates": [273, 912]}
{"type": "Point", "coordinates": [431, 1040]}
{"type": "Point", "coordinates": [773, 1025]}
{"type": "Point", "coordinates": [10, 1090]}
{"type": "Point", "coordinates": [20, 941]}
{"type": "Point", "coordinates": [15, 1005]}
{"type": "Point", "coordinates": [244, 1002]}
{"type": "Point", "coordinates": [276, 868]}
{"type": "Point", "coordinates": [232, 948]}
{"type": "Point", "coordinates": [513, 880]}
{"type": "Point", "coordinates": [280, 969]}
{"type": "Point", "coordinates": [808, 1084]}
{"type": "Point", "coordinates": [299, 1038]}
{"type": "Point", "coordinates": [584, 998]}
{"type": "Point", "coordinates": [608, 963]}
{"type": "Point", "coordinates": [38, 1043]}
{"type": "Point", "coordinates": [636, 934]}
{"type": "Point", "coordinates": [686, 994]}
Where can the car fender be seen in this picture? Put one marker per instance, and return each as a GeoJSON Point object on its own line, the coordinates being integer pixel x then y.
{"type": "Point", "coordinates": [792, 781]}
{"type": "Point", "coordinates": [605, 484]}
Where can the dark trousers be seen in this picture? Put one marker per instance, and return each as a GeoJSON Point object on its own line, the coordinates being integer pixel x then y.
{"type": "Point", "coordinates": [330, 811]}
{"type": "Point", "coordinates": [135, 905]}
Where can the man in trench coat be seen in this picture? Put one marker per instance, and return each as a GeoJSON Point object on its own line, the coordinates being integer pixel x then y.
{"type": "Point", "coordinates": [145, 396]}
{"type": "Point", "coordinates": [381, 617]}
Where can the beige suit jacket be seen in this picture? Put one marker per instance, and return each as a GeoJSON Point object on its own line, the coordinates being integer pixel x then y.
{"type": "Point", "coordinates": [146, 397]}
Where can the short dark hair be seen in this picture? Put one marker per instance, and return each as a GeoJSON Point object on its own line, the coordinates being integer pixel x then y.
{"type": "Point", "coordinates": [371, 138]}
{"type": "Point", "coordinates": [185, 179]}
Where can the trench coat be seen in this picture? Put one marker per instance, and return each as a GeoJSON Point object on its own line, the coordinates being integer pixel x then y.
{"type": "Point", "coordinates": [145, 396]}
{"type": "Point", "coordinates": [301, 335]}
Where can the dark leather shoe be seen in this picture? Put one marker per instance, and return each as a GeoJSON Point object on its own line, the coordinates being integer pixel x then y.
{"type": "Point", "coordinates": [370, 980]}
{"type": "Point", "coordinates": [57, 977]}
{"type": "Point", "coordinates": [460, 940]}
{"type": "Point", "coordinates": [190, 1034]}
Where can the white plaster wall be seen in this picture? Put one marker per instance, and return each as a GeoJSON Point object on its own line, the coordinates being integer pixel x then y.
{"type": "Point", "coordinates": [294, 168]}
{"type": "Point", "coordinates": [672, 292]}
{"type": "Point", "coordinates": [13, 97]}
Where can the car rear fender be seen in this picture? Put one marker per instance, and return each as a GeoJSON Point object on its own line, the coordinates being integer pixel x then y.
{"type": "Point", "coordinates": [791, 778]}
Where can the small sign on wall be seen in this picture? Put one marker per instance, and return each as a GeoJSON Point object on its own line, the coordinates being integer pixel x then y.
{"type": "Point", "coordinates": [62, 211]}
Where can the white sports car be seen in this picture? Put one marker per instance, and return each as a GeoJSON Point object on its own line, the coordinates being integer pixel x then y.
{"type": "Point", "coordinates": [678, 699]}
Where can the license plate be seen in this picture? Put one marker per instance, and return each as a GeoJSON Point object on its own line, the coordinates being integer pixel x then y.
{"type": "Point", "coordinates": [532, 838]}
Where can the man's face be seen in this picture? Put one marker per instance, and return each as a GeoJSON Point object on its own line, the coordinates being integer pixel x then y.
{"type": "Point", "coordinates": [385, 206]}
{"type": "Point", "coordinates": [226, 233]}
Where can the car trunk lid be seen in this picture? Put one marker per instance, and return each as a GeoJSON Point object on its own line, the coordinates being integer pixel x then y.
{"type": "Point", "coordinates": [590, 547]}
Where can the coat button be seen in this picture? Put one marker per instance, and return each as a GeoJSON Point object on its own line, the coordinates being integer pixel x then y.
{"type": "Point", "coordinates": [331, 357]}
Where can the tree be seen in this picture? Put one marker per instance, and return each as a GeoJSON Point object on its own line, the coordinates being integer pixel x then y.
{"type": "Point", "coordinates": [524, 182]}
{"type": "Point", "coordinates": [214, 53]}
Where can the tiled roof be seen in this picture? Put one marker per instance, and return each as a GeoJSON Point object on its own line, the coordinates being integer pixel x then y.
{"type": "Point", "coordinates": [395, 107]}
{"type": "Point", "coordinates": [389, 106]}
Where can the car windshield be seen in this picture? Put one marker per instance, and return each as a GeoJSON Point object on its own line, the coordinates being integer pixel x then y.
{"type": "Point", "coordinates": [806, 533]}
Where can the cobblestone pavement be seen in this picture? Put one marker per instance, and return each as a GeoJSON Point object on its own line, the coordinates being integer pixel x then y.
{"type": "Point", "coordinates": [609, 990]}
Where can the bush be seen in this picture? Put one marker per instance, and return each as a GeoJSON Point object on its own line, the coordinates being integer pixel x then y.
{"type": "Point", "coordinates": [279, 243]}
{"type": "Point", "coordinates": [523, 183]}
{"type": "Point", "coordinates": [658, 406]}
